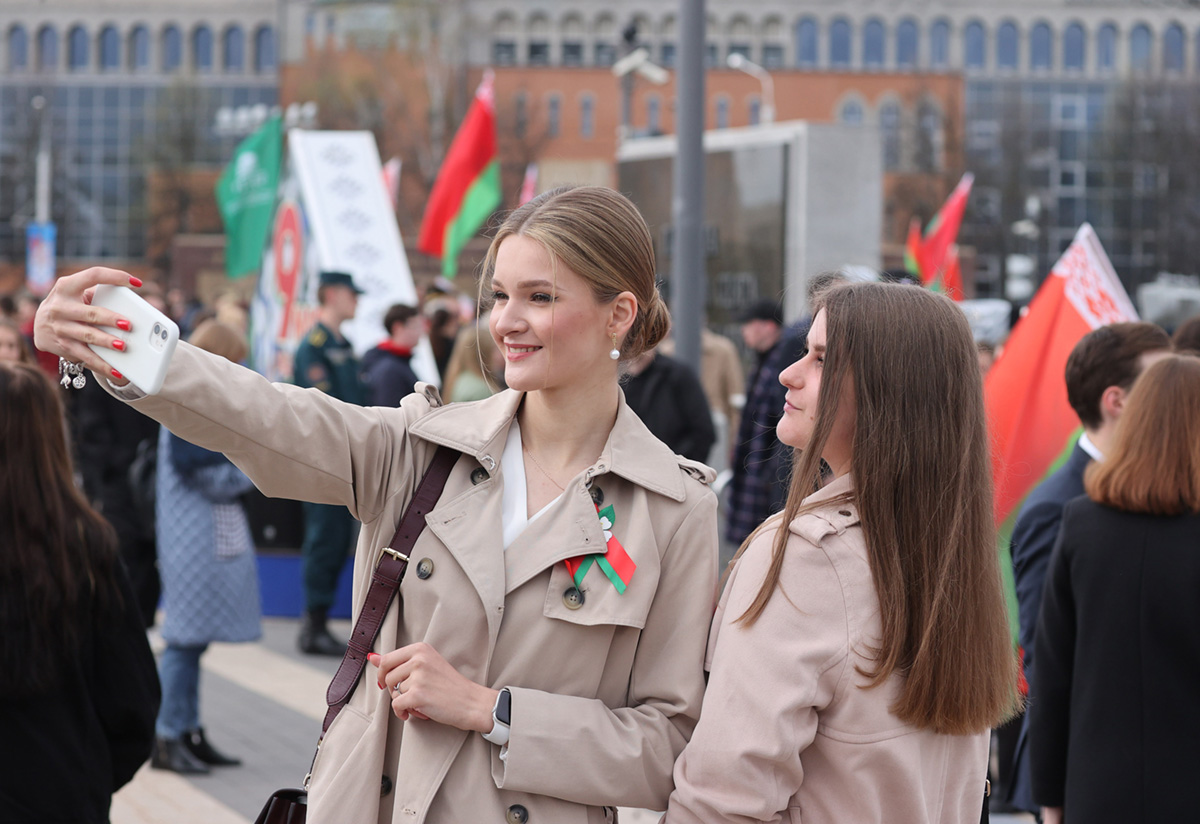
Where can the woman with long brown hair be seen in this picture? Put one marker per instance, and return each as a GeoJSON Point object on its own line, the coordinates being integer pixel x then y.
{"type": "Point", "coordinates": [78, 691]}
{"type": "Point", "coordinates": [1113, 732]}
{"type": "Point", "coordinates": [860, 653]}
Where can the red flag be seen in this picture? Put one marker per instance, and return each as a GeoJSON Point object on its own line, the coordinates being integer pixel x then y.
{"type": "Point", "coordinates": [952, 277]}
{"type": "Point", "coordinates": [467, 189]}
{"type": "Point", "coordinates": [1029, 419]}
{"type": "Point", "coordinates": [942, 232]}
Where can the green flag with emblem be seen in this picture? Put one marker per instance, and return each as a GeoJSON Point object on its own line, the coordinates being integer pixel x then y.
{"type": "Point", "coordinates": [246, 197]}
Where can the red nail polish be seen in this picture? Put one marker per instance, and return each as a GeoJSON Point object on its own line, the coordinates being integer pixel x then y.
{"type": "Point", "coordinates": [124, 325]}
{"type": "Point", "coordinates": [136, 283]}
{"type": "Point", "coordinates": [373, 657]}
{"type": "Point", "coordinates": [119, 345]}
{"type": "Point", "coordinates": [118, 375]}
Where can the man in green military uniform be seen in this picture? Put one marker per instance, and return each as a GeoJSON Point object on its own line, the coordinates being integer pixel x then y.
{"type": "Point", "coordinates": [326, 360]}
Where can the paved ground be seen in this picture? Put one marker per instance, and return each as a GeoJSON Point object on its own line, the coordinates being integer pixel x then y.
{"type": "Point", "coordinates": [262, 702]}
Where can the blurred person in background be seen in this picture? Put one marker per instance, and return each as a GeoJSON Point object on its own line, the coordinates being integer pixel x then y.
{"type": "Point", "coordinates": [1187, 336]}
{"type": "Point", "coordinates": [474, 365]}
{"type": "Point", "coordinates": [387, 372]}
{"type": "Point", "coordinates": [722, 377]}
{"type": "Point", "coordinates": [117, 452]}
{"type": "Point", "coordinates": [209, 574]}
{"type": "Point", "coordinates": [444, 323]}
{"type": "Point", "coordinates": [78, 691]}
{"type": "Point", "coordinates": [14, 347]}
{"type": "Point", "coordinates": [668, 397]}
{"type": "Point", "coordinates": [1114, 724]}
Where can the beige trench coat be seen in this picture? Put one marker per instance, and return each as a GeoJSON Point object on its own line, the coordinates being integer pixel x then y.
{"type": "Point", "coordinates": [789, 734]}
{"type": "Point", "coordinates": [604, 697]}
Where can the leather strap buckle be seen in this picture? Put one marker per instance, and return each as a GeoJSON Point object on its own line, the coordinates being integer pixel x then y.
{"type": "Point", "coordinates": [395, 553]}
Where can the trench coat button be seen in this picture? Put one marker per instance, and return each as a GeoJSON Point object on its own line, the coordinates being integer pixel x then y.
{"type": "Point", "coordinates": [424, 568]}
{"type": "Point", "coordinates": [385, 787]}
{"type": "Point", "coordinates": [597, 495]}
{"type": "Point", "coordinates": [517, 815]}
{"type": "Point", "coordinates": [479, 476]}
{"type": "Point", "coordinates": [573, 598]}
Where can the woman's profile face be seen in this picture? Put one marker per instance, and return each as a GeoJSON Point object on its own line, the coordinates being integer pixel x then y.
{"type": "Point", "coordinates": [11, 345]}
{"type": "Point", "coordinates": [803, 383]}
{"type": "Point", "coordinates": [549, 327]}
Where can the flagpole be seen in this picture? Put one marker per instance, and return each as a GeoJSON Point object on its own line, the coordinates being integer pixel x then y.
{"type": "Point", "coordinates": [688, 273]}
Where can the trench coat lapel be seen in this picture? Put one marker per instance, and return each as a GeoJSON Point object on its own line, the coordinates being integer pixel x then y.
{"type": "Point", "coordinates": [463, 525]}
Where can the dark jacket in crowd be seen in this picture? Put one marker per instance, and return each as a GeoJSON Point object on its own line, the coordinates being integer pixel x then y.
{"type": "Point", "coordinates": [1115, 722]}
{"type": "Point", "coordinates": [669, 399]}
{"type": "Point", "coordinates": [387, 374]}
{"type": "Point", "coordinates": [761, 465]}
{"type": "Point", "coordinates": [64, 753]}
{"type": "Point", "coordinates": [111, 440]}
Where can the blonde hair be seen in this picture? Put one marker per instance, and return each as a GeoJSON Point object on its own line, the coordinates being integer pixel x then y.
{"type": "Point", "coordinates": [599, 235]}
{"type": "Point", "coordinates": [473, 351]}
{"type": "Point", "coordinates": [1154, 464]}
{"type": "Point", "coordinates": [220, 339]}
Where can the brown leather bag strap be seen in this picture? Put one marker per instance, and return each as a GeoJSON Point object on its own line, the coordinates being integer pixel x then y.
{"type": "Point", "coordinates": [385, 582]}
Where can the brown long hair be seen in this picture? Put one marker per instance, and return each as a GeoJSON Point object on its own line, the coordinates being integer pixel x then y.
{"type": "Point", "coordinates": [1153, 466]}
{"type": "Point", "coordinates": [58, 560]}
{"type": "Point", "coordinates": [923, 490]}
{"type": "Point", "coordinates": [600, 235]}
{"type": "Point", "coordinates": [473, 351]}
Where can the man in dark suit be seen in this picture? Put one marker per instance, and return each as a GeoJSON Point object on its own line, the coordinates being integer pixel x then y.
{"type": "Point", "coordinates": [1100, 372]}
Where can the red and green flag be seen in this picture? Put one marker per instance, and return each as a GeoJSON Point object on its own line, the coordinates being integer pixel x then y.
{"type": "Point", "coordinates": [934, 257]}
{"type": "Point", "coordinates": [467, 189]}
{"type": "Point", "coordinates": [1031, 425]}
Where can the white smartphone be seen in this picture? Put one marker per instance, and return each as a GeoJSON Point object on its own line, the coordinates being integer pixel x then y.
{"type": "Point", "coordinates": [148, 347]}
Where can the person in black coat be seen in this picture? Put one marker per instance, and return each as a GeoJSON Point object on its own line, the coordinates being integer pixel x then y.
{"type": "Point", "coordinates": [78, 687]}
{"type": "Point", "coordinates": [668, 397]}
{"type": "Point", "coordinates": [387, 370]}
{"type": "Point", "coordinates": [1114, 723]}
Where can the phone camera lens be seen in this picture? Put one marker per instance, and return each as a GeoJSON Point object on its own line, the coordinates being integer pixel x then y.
{"type": "Point", "coordinates": [164, 334]}
{"type": "Point", "coordinates": [156, 328]}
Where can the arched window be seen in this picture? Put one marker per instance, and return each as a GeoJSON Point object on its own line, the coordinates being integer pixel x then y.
{"type": "Point", "coordinates": [139, 48]}
{"type": "Point", "coordinates": [839, 43]}
{"type": "Point", "coordinates": [172, 49]}
{"type": "Point", "coordinates": [1007, 46]}
{"type": "Point", "coordinates": [653, 115]}
{"type": "Point", "coordinates": [77, 49]}
{"type": "Point", "coordinates": [1106, 48]}
{"type": "Point", "coordinates": [873, 44]}
{"type": "Point", "coordinates": [234, 48]}
{"type": "Point", "coordinates": [18, 49]}
{"type": "Point", "coordinates": [806, 43]}
{"type": "Point", "coordinates": [553, 115]}
{"type": "Point", "coordinates": [939, 44]}
{"type": "Point", "coordinates": [264, 50]}
{"type": "Point", "coordinates": [110, 48]}
{"type": "Point", "coordinates": [889, 128]}
{"type": "Point", "coordinates": [47, 42]}
{"type": "Point", "coordinates": [932, 138]}
{"type": "Point", "coordinates": [907, 40]}
{"type": "Point", "coordinates": [754, 111]}
{"type": "Point", "coordinates": [1140, 42]}
{"type": "Point", "coordinates": [587, 116]}
{"type": "Point", "coordinates": [1074, 47]}
{"type": "Point", "coordinates": [851, 113]}
{"type": "Point", "coordinates": [202, 49]}
{"type": "Point", "coordinates": [1173, 60]}
{"type": "Point", "coordinates": [975, 46]}
{"type": "Point", "coordinates": [722, 105]}
{"type": "Point", "coordinates": [1041, 48]}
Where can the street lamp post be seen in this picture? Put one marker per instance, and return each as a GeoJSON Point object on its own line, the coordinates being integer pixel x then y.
{"type": "Point", "coordinates": [742, 63]}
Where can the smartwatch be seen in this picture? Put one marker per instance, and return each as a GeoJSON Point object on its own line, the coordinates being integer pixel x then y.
{"type": "Point", "coordinates": [501, 718]}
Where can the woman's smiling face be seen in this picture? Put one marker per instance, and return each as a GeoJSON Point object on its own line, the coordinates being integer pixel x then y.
{"type": "Point", "coordinates": [545, 319]}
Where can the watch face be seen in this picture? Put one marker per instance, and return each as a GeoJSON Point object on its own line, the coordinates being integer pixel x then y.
{"type": "Point", "coordinates": [504, 707]}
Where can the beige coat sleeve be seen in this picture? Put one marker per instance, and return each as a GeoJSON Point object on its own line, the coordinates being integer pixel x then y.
{"type": "Point", "coordinates": [767, 685]}
{"type": "Point", "coordinates": [291, 442]}
{"type": "Point", "coordinates": [580, 750]}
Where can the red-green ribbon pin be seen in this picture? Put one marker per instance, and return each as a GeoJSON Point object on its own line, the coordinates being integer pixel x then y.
{"type": "Point", "coordinates": [614, 562]}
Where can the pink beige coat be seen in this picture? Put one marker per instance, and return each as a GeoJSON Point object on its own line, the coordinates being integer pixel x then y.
{"type": "Point", "coordinates": [788, 733]}
{"type": "Point", "coordinates": [604, 697]}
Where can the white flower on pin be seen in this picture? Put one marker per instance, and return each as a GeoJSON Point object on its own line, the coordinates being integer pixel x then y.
{"type": "Point", "coordinates": [606, 525]}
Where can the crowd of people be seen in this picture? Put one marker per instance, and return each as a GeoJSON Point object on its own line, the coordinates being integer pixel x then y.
{"type": "Point", "coordinates": [851, 664]}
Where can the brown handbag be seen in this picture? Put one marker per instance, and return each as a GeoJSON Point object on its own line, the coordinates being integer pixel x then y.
{"type": "Point", "coordinates": [290, 806]}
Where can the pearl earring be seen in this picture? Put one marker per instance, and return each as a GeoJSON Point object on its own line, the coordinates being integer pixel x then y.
{"type": "Point", "coordinates": [615, 354]}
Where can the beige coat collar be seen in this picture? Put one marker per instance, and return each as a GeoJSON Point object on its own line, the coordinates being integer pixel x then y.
{"type": "Point", "coordinates": [480, 429]}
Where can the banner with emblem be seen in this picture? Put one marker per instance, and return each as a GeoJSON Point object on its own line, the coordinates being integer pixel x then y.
{"type": "Point", "coordinates": [246, 197]}
{"type": "Point", "coordinates": [1031, 425]}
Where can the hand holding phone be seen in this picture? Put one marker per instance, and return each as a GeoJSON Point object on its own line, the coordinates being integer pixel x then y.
{"type": "Point", "coordinates": [148, 345]}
